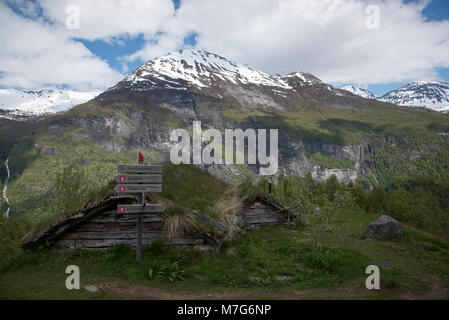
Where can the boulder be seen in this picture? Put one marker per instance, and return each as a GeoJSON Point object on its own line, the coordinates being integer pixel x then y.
{"type": "Point", "coordinates": [384, 228]}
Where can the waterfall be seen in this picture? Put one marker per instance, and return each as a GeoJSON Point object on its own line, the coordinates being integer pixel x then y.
{"type": "Point", "coordinates": [5, 189]}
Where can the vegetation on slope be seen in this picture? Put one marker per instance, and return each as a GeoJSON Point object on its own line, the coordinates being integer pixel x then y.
{"type": "Point", "coordinates": [421, 202]}
{"type": "Point", "coordinates": [273, 259]}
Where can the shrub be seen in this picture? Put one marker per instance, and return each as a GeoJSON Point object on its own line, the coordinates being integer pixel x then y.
{"type": "Point", "coordinates": [71, 190]}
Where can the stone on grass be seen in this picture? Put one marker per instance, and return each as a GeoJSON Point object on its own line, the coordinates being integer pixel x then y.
{"type": "Point", "coordinates": [255, 279]}
{"type": "Point", "coordinates": [280, 277]}
{"type": "Point", "coordinates": [92, 289]}
{"type": "Point", "coordinates": [384, 228]}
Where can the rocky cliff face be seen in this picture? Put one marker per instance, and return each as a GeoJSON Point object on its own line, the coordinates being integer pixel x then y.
{"type": "Point", "coordinates": [322, 130]}
{"type": "Point", "coordinates": [172, 91]}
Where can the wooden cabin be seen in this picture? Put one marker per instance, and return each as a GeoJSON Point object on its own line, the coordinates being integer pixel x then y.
{"type": "Point", "coordinates": [98, 226]}
{"type": "Point", "coordinates": [261, 210]}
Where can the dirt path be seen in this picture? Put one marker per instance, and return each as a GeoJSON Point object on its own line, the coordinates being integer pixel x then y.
{"type": "Point", "coordinates": [140, 292]}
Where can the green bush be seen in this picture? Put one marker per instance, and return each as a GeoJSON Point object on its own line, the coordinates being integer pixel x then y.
{"type": "Point", "coordinates": [11, 232]}
{"type": "Point", "coordinates": [72, 188]}
{"type": "Point", "coordinates": [420, 201]}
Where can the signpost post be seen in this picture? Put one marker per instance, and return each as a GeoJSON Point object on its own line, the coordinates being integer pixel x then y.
{"type": "Point", "coordinates": [142, 174]}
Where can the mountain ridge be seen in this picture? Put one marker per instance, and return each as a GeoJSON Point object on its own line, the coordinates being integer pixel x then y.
{"type": "Point", "coordinates": [17, 103]}
{"type": "Point", "coordinates": [433, 95]}
{"type": "Point", "coordinates": [202, 71]}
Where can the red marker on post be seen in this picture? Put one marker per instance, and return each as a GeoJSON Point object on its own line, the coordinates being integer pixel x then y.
{"type": "Point", "coordinates": [140, 158]}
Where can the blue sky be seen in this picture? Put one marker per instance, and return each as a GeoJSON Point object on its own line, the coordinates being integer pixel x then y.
{"type": "Point", "coordinates": [113, 40]}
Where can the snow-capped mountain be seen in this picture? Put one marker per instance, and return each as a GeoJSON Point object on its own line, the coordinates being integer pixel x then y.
{"type": "Point", "coordinates": [210, 74]}
{"type": "Point", "coordinates": [359, 92]}
{"type": "Point", "coordinates": [429, 94]}
{"type": "Point", "coordinates": [15, 102]}
{"type": "Point", "coordinates": [200, 69]}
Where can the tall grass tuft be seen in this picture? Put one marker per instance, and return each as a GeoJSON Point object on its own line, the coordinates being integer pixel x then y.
{"type": "Point", "coordinates": [177, 222]}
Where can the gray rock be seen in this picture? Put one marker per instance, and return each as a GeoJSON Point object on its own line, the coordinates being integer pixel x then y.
{"type": "Point", "coordinates": [255, 279]}
{"type": "Point", "coordinates": [282, 277]}
{"type": "Point", "coordinates": [92, 289]}
{"type": "Point", "coordinates": [384, 228]}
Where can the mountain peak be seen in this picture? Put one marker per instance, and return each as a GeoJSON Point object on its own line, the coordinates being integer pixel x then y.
{"type": "Point", "coordinates": [200, 69]}
{"type": "Point", "coordinates": [429, 94]}
{"type": "Point", "coordinates": [305, 77]}
{"type": "Point", "coordinates": [354, 89]}
{"type": "Point", "coordinates": [17, 102]}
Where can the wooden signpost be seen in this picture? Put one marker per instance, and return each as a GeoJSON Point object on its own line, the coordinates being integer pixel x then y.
{"type": "Point", "coordinates": [139, 174]}
{"type": "Point", "coordinates": [133, 188]}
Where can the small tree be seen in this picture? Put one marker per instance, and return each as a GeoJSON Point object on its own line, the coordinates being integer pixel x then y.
{"type": "Point", "coordinates": [71, 189]}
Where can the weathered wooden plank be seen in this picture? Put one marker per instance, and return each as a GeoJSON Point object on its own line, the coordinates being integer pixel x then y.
{"type": "Point", "coordinates": [111, 234]}
{"type": "Point", "coordinates": [72, 224]}
{"type": "Point", "coordinates": [256, 212]}
{"type": "Point", "coordinates": [137, 178]}
{"type": "Point", "coordinates": [138, 208]}
{"type": "Point", "coordinates": [119, 218]}
{"type": "Point", "coordinates": [104, 243]}
{"type": "Point", "coordinates": [96, 244]}
{"type": "Point", "coordinates": [138, 188]}
{"type": "Point", "coordinates": [139, 168]}
{"type": "Point", "coordinates": [125, 226]}
{"type": "Point", "coordinates": [261, 219]}
{"type": "Point", "coordinates": [251, 225]}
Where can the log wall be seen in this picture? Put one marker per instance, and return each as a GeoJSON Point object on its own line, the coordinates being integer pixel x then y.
{"type": "Point", "coordinates": [261, 214]}
{"type": "Point", "coordinates": [108, 228]}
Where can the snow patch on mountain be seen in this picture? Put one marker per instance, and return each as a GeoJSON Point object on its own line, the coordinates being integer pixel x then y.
{"type": "Point", "coordinates": [15, 102]}
{"type": "Point", "coordinates": [306, 78]}
{"type": "Point", "coordinates": [359, 92]}
{"type": "Point", "coordinates": [429, 94]}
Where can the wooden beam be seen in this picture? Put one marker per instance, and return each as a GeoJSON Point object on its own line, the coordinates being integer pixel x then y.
{"type": "Point", "coordinates": [143, 178]}
{"type": "Point", "coordinates": [138, 208]}
{"type": "Point", "coordinates": [139, 168]}
{"type": "Point", "coordinates": [138, 188]}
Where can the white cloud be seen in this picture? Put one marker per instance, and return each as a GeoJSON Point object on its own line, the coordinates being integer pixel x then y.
{"type": "Point", "coordinates": [34, 55]}
{"type": "Point", "coordinates": [328, 38]}
{"type": "Point", "coordinates": [102, 19]}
